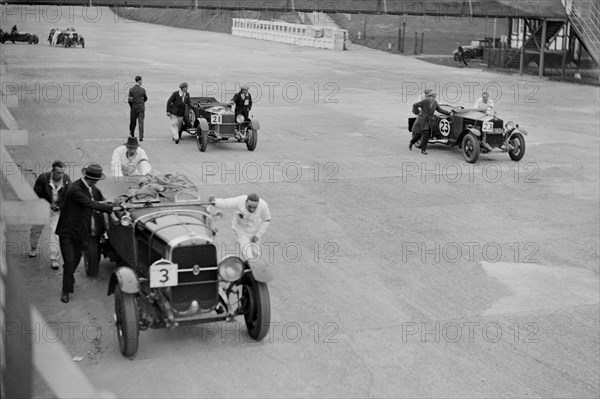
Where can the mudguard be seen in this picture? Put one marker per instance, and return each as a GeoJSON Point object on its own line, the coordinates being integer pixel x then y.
{"type": "Point", "coordinates": [476, 132]}
{"type": "Point", "coordinates": [203, 124]}
{"type": "Point", "coordinates": [518, 130]}
{"type": "Point", "coordinates": [127, 280]}
{"type": "Point", "coordinates": [260, 270]}
{"type": "Point", "coordinates": [255, 124]}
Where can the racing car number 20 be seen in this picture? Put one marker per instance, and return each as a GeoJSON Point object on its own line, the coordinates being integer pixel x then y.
{"type": "Point", "coordinates": [163, 275]}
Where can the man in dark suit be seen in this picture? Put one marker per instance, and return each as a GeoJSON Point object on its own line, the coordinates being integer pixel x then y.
{"type": "Point", "coordinates": [176, 109]}
{"type": "Point", "coordinates": [77, 219]}
{"type": "Point", "coordinates": [425, 110]}
{"type": "Point", "coordinates": [242, 102]}
{"type": "Point", "coordinates": [50, 186]}
{"type": "Point", "coordinates": [461, 54]}
{"type": "Point", "coordinates": [137, 99]}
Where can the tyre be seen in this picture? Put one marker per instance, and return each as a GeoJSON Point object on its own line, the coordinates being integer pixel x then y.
{"type": "Point", "coordinates": [251, 139]}
{"type": "Point", "coordinates": [456, 57]}
{"type": "Point", "coordinates": [470, 147]}
{"type": "Point", "coordinates": [127, 323]}
{"type": "Point", "coordinates": [36, 40]}
{"type": "Point", "coordinates": [202, 140]}
{"type": "Point", "coordinates": [518, 141]}
{"type": "Point", "coordinates": [467, 56]}
{"type": "Point", "coordinates": [91, 257]}
{"type": "Point", "coordinates": [257, 307]}
{"type": "Point", "coordinates": [2, 40]}
{"type": "Point", "coordinates": [83, 44]}
{"type": "Point", "coordinates": [29, 40]}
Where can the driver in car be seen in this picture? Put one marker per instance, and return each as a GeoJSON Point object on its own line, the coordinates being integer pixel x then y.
{"type": "Point", "coordinates": [252, 217]}
{"type": "Point", "coordinates": [484, 103]}
{"type": "Point", "coordinates": [130, 160]}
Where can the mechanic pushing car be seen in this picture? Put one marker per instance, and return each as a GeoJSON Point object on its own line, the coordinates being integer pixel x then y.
{"type": "Point", "coordinates": [252, 217]}
{"type": "Point", "coordinates": [130, 160]}
{"type": "Point", "coordinates": [425, 110]}
{"type": "Point", "coordinates": [242, 103]}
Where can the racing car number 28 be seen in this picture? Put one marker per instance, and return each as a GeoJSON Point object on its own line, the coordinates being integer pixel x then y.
{"type": "Point", "coordinates": [163, 275]}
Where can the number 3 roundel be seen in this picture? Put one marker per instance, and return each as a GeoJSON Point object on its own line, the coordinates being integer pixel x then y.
{"type": "Point", "coordinates": [444, 127]}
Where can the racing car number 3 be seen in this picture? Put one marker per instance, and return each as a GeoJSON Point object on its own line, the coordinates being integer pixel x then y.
{"type": "Point", "coordinates": [164, 275]}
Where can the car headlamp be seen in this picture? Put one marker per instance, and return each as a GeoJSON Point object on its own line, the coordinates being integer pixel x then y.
{"type": "Point", "coordinates": [510, 125]}
{"type": "Point", "coordinates": [240, 118]}
{"type": "Point", "coordinates": [231, 268]}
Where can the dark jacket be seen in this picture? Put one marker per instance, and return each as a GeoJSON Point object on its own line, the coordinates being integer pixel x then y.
{"type": "Point", "coordinates": [137, 97]}
{"type": "Point", "coordinates": [44, 191]}
{"type": "Point", "coordinates": [76, 213]}
{"type": "Point", "coordinates": [176, 105]}
{"type": "Point", "coordinates": [242, 104]}
{"type": "Point", "coordinates": [425, 119]}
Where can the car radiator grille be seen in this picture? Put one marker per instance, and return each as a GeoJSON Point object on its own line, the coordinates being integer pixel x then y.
{"type": "Point", "coordinates": [201, 287]}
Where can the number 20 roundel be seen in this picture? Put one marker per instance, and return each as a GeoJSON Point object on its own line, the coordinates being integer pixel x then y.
{"type": "Point", "coordinates": [444, 127]}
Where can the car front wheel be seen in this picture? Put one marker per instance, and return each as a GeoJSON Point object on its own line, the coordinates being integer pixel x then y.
{"type": "Point", "coordinates": [470, 147]}
{"type": "Point", "coordinates": [202, 139]}
{"type": "Point", "coordinates": [518, 142]}
{"type": "Point", "coordinates": [257, 307]}
{"type": "Point", "coordinates": [126, 316]}
{"type": "Point", "coordinates": [252, 139]}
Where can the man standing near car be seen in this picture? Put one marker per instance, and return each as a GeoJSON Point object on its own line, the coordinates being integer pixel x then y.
{"type": "Point", "coordinates": [176, 110]}
{"type": "Point", "coordinates": [137, 103]}
{"type": "Point", "coordinates": [251, 219]}
{"type": "Point", "coordinates": [461, 54]}
{"type": "Point", "coordinates": [55, 37]}
{"type": "Point", "coordinates": [242, 103]}
{"type": "Point", "coordinates": [425, 110]}
{"type": "Point", "coordinates": [77, 221]}
{"type": "Point", "coordinates": [50, 186]}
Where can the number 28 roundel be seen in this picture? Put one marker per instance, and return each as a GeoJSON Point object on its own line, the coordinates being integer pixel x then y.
{"type": "Point", "coordinates": [444, 127]}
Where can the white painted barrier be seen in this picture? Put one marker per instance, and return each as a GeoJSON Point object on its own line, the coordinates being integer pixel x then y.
{"type": "Point", "coordinates": [296, 34]}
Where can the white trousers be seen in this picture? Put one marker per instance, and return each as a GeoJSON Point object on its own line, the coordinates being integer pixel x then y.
{"type": "Point", "coordinates": [45, 234]}
{"type": "Point", "coordinates": [249, 250]}
{"type": "Point", "coordinates": [176, 123]}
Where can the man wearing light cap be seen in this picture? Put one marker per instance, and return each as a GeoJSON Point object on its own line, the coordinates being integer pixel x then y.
{"type": "Point", "coordinates": [252, 217]}
{"type": "Point", "coordinates": [176, 109]}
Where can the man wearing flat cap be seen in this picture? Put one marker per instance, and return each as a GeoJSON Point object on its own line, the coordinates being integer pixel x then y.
{"type": "Point", "coordinates": [78, 217]}
{"type": "Point", "coordinates": [176, 109]}
{"type": "Point", "coordinates": [242, 103]}
{"type": "Point", "coordinates": [425, 111]}
{"type": "Point", "coordinates": [130, 160]}
{"type": "Point", "coordinates": [137, 107]}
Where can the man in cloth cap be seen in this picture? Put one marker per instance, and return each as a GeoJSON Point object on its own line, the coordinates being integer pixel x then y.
{"type": "Point", "coordinates": [425, 110]}
{"type": "Point", "coordinates": [78, 218]}
{"type": "Point", "coordinates": [176, 109]}
{"type": "Point", "coordinates": [252, 217]}
{"type": "Point", "coordinates": [130, 160]}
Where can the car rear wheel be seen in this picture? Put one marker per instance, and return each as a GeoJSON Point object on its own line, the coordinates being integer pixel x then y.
{"type": "Point", "coordinates": [257, 307]}
{"type": "Point", "coordinates": [518, 142]}
{"type": "Point", "coordinates": [91, 257]}
{"type": "Point", "coordinates": [126, 322]}
{"type": "Point", "coordinates": [251, 139]}
{"type": "Point", "coordinates": [470, 147]}
{"type": "Point", "coordinates": [467, 56]}
{"type": "Point", "coordinates": [202, 139]}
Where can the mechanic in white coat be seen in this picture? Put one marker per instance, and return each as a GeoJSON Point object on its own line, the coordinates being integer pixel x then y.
{"type": "Point", "coordinates": [55, 37]}
{"type": "Point", "coordinates": [130, 160]}
{"type": "Point", "coordinates": [252, 217]}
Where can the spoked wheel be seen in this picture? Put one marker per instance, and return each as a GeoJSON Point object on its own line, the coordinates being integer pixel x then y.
{"type": "Point", "coordinates": [518, 142]}
{"type": "Point", "coordinates": [251, 139]}
{"type": "Point", "coordinates": [91, 257]}
{"type": "Point", "coordinates": [257, 307]}
{"type": "Point", "coordinates": [29, 40]}
{"type": "Point", "coordinates": [36, 40]}
{"type": "Point", "coordinates": [126, 315]}
{"type": "Point", "coordinates": [202, 139]}
{"type": "Point", "coordinates": [470, 147]}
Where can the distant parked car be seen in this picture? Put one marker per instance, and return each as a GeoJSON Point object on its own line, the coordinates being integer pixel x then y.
{"type": "Point", "coordinates": [67, 38]}
{"type": "Point", "coordinates": [475, 49]}
{"type": "Point", "coordinates": [28, 37]}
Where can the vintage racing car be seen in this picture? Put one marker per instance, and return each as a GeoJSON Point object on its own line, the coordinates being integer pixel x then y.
{"type": "Point", "coordinates": [67, 38]}
{"type": "Point", "coordinates": [28, 37]}
{"type": "Point", "coordinates": [169, 273]}
{"type": "Point", "coordinates": [465, 127]}
{"type": "Point", "coordinates": [214, 122]}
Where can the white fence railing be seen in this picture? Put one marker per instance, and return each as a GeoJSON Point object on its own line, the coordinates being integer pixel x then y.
{"type": "Point", "coordinates": [296, 34]}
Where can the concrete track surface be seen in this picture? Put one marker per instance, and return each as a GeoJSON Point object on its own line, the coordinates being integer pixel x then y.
{"type": "Point", "coordinates": [396, 274]}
